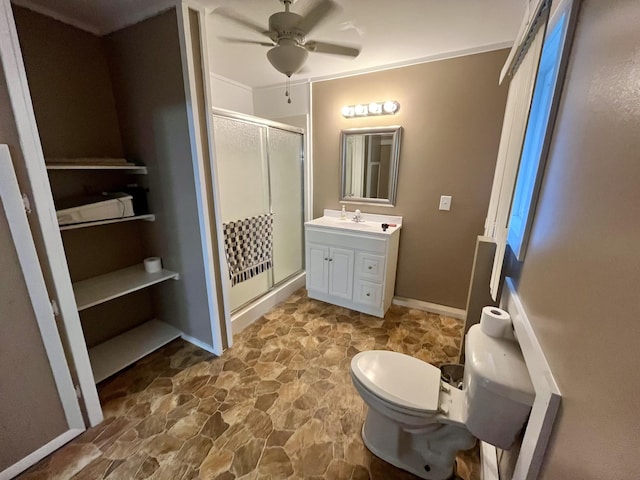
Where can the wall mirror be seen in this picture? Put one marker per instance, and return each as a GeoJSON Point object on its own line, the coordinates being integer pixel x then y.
{"type": "Point", "coordinates": [369, 164]}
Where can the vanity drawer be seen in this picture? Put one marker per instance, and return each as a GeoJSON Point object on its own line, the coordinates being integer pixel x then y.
{"type": "Point", "coordinates": [357, 242]}
{"type": "Point", "coordinates": [367, 293]}
{"type": "Point", "coordinates": [369, 266]}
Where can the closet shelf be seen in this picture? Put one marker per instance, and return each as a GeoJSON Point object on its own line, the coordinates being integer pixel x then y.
{"type": "Point", "coordinates": [75, 226]}
{"type": "Point", "coordinates": [96, 290]}
{"type": "Point", "coordinates": [121, 351]}
{"type": "Point", "coordinates": [138, 169]}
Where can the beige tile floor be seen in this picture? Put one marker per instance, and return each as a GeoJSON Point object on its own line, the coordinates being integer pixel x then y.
{"type": "Point", "coordinates": [278, 405]}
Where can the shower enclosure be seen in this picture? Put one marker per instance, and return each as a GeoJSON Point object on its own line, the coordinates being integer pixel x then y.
{"type": "Point", "coordinates": [259, 166]}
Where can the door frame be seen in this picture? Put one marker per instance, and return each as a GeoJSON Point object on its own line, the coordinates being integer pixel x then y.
{"type": "Point", "coordinates": [39, 191]}
{"type": "Point", "coordinates": [12, 204]}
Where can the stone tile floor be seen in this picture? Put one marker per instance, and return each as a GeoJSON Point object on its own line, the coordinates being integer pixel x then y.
{"type": "Point", "coordinates": [278, 405]}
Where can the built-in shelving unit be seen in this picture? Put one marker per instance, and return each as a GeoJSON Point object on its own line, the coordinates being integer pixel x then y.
{"type": "Point", "coordinates": [74, 226]}
{"type": "Point", "coordinates": [96, 290]}
{"type": "Point", "coordinates": [118, 352]}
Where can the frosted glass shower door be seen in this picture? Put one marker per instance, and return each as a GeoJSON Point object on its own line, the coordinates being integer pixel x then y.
{"type": "Point", "coordinates": [240, 151]}
{"type": "Point", "coordinates": [286, 180]}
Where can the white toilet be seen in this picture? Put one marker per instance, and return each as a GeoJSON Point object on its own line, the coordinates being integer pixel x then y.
{"type": "Point", "coordinates": [418, 422]}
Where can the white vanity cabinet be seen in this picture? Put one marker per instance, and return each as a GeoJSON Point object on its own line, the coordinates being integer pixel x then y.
{"type": "Point", "coordinates": [350, 264]}
{"type": "Point", "coordinates": [330, 270]}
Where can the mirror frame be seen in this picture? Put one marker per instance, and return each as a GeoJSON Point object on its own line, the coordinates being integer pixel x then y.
{"type": "Point", "coordinates": [396, 130]}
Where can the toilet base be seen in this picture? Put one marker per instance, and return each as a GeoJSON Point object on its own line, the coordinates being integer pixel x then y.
{"type": "Point", "coordinates": [430, 456]}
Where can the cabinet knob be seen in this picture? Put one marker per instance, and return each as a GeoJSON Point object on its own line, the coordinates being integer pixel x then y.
{"type": "Point", "coordinates": [326, 258]}
{"type": "Point", "coordinates": [370, 267]}
{"type": "Point", "coordinates": [331, 259]}
{"type": "Point", "coordinates": [368, 294]}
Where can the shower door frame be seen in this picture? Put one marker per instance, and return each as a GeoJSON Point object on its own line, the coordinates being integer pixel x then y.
{"type": "Point", "coordinates": [261, 122]}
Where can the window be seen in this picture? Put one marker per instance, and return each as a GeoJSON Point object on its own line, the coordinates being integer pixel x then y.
{"type": "Point", "coordinates": [536, 134]}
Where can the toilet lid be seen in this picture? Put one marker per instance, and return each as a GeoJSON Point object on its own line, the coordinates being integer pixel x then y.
{"type": "Point", "coordinates": [398, 379]}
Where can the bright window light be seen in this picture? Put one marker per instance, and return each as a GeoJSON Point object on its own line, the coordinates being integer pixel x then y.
{"type": "Point", "coordinates": [528, 171]}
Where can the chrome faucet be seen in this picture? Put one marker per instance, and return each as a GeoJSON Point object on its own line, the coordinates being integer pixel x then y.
{"type": "Point", "coordinates": [358, 216]}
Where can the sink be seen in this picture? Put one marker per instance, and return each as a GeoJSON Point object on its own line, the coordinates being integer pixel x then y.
{"type": "Point", "coordinates": [347, 223]}
{"type": "Point", "coordinates": [370, 226]}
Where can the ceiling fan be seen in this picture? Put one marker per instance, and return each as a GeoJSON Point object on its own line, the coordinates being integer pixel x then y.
{"type": "Point", "coordinates": [288, 32]}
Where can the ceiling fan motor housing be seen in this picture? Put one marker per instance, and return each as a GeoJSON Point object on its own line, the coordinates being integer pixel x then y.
{"type": "Point", "coordinates": [285, 24]}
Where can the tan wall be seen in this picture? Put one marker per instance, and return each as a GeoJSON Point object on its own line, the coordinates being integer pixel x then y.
{"type": "Point", "coordinates": [146, 70]}
{"type": "Point", "coordinates": [30, 410]}
{"type": "Point", "coordinates": [451, 112]}
{"type": "Point", "coordinates": [70, 88]}
{"type": "Point", "coordinates": [580, 279]}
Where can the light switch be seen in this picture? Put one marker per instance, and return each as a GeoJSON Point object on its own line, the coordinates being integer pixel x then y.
{"type": "Point", "coordinates": [445, 202]}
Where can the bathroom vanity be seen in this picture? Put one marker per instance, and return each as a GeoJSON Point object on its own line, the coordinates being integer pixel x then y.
{"type": "Point", "coordinates": [352, 264]}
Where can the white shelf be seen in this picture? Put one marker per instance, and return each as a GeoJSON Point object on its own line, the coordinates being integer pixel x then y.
{"type": "Point", "coordinates": [74, 226]}
{"type": "Point", "coordinates": [141, 170]}
{"type": "Point", "coordinates": [121, 351]}
{"type": "Point", "coordinates": [97, 290]}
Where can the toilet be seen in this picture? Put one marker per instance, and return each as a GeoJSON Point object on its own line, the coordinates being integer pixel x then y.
{"type": "Point", "coordinates": [418, 422]}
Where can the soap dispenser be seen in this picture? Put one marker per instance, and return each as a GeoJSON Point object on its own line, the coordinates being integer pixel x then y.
{"type": "Point", "coordinates": [343, 214]}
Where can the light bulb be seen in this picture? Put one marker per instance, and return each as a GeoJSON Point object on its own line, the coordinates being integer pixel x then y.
{"type": "Point", "coordinates": [361, 109]}
{"type": "Point", "coordinates": [390, 107]}
{"type": "Point", "coordinates": [347, 111]}
{"type": "Point", "coordinates": [375, 107]}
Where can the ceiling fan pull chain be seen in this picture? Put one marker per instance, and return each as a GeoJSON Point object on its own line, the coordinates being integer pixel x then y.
{"type": "Point", "coordinates": [287, 90]}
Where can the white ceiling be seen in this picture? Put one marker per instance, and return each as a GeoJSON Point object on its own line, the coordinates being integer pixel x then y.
{"type": "Point", "coordinates": [390, 32]}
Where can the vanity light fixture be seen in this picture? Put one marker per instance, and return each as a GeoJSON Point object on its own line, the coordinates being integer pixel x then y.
{"type": "Point", "coordinates": [390, 107]}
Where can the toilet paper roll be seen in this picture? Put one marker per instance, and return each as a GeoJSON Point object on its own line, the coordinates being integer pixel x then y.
{"type": "Point", "coordinates": [495, 322]}
{"type": "Point", "coordinates": [152, 264]}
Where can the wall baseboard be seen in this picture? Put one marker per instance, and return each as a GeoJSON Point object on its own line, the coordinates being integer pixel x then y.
{"type": "Point", "coordinates": [430, 307]}
{"type": "Point", "coordinates": [34, 457]}
{"type": "Point", "coordinates": [198, 343]}
{"type": "Point", "coordinates": [253, 312]}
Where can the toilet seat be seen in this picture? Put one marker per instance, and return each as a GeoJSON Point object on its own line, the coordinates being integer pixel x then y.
{"type": "Point", "coordinates": [398, 379]}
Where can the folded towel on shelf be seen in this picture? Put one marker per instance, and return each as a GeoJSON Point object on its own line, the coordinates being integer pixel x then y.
{"type": "Point", "coordinates": [248, 245]}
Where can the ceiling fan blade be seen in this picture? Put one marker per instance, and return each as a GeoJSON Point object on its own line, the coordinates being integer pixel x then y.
{"type": "Point", "coordinates": [243, 21]}
{"type": "Point", "coordinates": [332, 48]}
{"type": "Point", "coordinates": [317, 12]}
{"type": "Point", "coordinates": [243, 40]}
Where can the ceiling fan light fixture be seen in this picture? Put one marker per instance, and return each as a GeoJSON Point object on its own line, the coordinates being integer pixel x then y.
{"type": "Point", "coordinates": [287, 59]}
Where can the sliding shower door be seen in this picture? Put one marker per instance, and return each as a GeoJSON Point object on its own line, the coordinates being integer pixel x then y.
{"type": "Point", "coordinates": [244, 189]}
{"type": "Point", "coordinates": [285, 181]}
{"type": "Point", "coordinates": [260, 183]}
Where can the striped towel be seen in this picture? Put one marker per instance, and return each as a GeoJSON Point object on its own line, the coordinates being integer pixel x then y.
{"type": "Point", "coordinates": [248, 245]}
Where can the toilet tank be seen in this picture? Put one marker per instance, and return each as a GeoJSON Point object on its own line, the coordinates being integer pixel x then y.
{"type": "Point", "coordinates": [498, 390]}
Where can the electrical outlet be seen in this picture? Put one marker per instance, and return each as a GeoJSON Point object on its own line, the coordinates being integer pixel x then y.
{"type": "Point", "coordinates": [445, 202]}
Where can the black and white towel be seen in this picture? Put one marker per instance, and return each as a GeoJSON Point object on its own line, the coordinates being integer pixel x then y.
{"type": "Point", "coordinates": [248, 245]}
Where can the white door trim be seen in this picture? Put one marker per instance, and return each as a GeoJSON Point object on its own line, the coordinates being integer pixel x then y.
{"type": "Point", "coordinates": [39, 454]}
{"type": "Point", "coordinates": [42, 203]}
{"type": "Point", "coordinates": [11, 202]}
{"type": "Point", "coordinates": [197, 136]}
{"type": "Point", "coordinates": [548, 396]}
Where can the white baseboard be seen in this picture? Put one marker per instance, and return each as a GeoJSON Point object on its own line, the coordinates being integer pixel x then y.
{"type": "Point", "coordinates": [430, 307]}
{"type": "Point", "coordinates": [39, 454]}
{"type": "Point", "coordinates": [488, 462]}
{"type": "Point", "coordinates": [199, 344]}
{"type": "Point", "coordinates": [251, 313]}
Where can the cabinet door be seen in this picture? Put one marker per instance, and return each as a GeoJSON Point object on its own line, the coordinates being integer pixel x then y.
{"type": "Point", "coordinates": [341, 272]}
{"type": "Point", "coordinates": [317, 267]}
